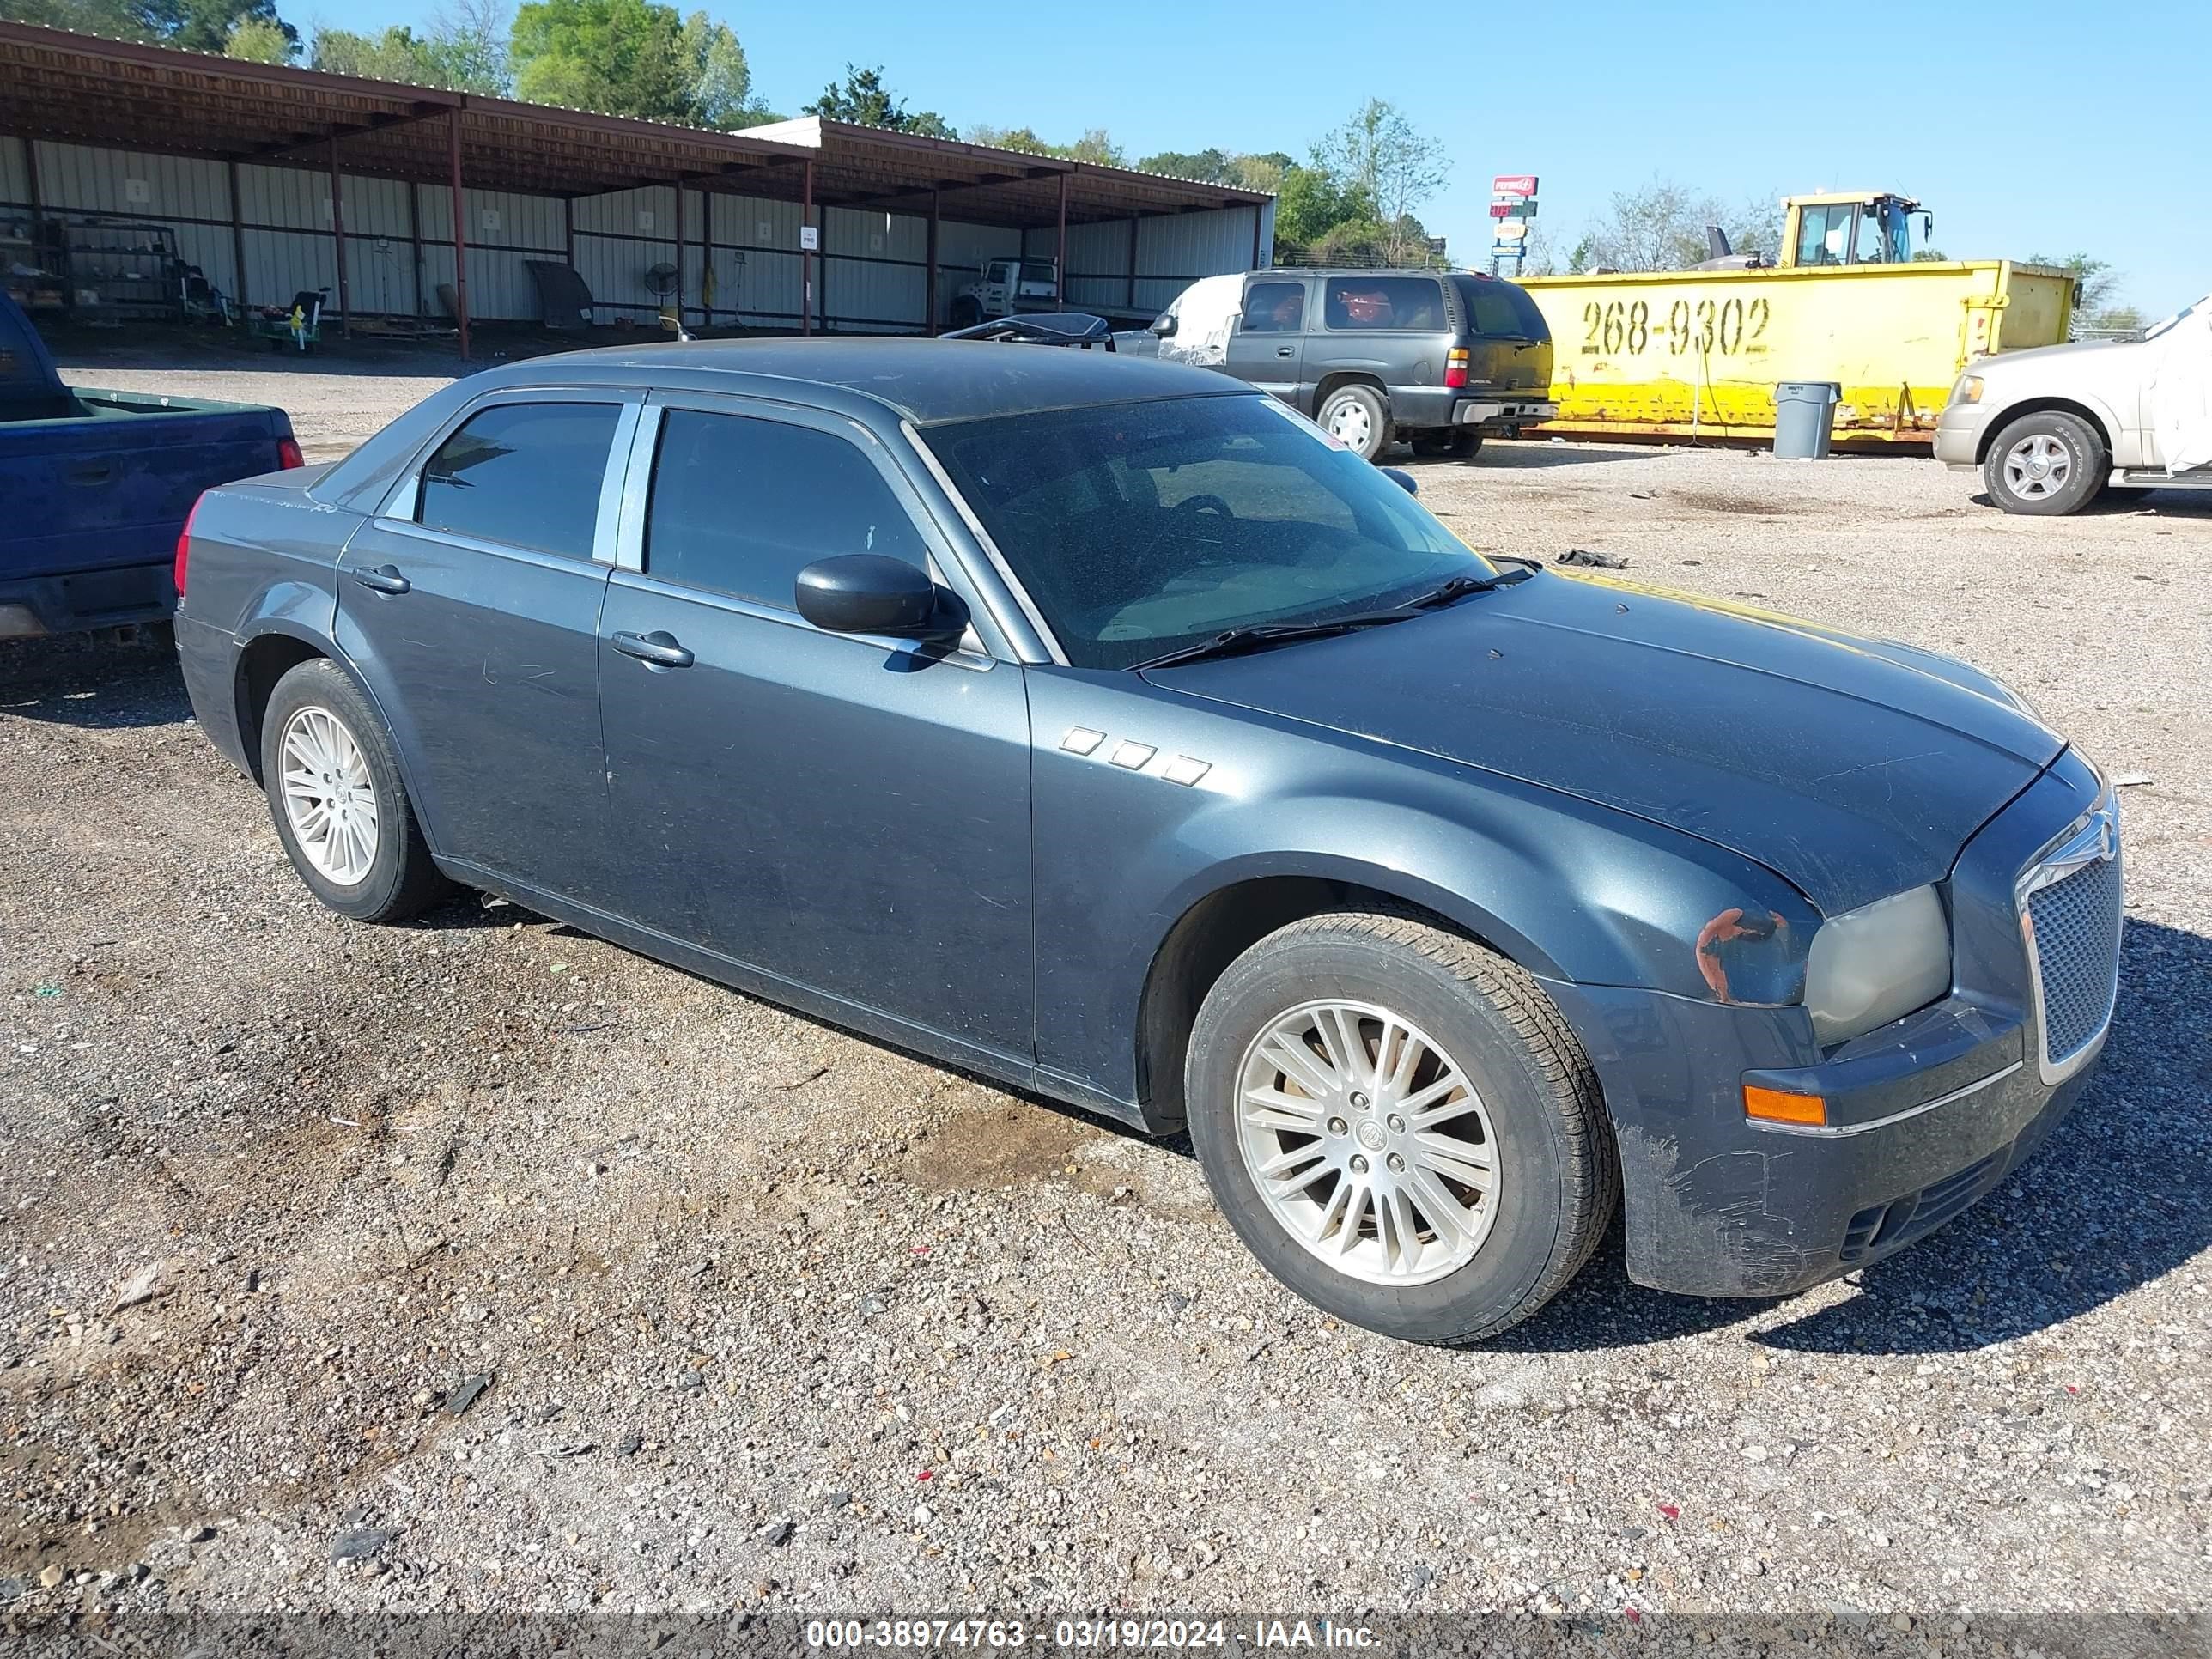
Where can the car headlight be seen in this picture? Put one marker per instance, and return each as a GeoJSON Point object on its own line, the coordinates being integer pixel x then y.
{"type": "Point", "coordinates": [1968, 391]}
{"type": "Point", "coordinates": [1870, 965]}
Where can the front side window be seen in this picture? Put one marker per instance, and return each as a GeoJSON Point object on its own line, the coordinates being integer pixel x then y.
{"type": "Point", "coordinates": [741, 505]}
{"type": "Point", "coordinates": [1140, 527]}
{"type": "Point", "coordinates": [1274, 308]}
{"type": "Point", "coordinates": [1356, 303]}
{"type": "Point", "coordinates": [1823, 234]}
{"type": "Point", "coordinates": [525, 474]}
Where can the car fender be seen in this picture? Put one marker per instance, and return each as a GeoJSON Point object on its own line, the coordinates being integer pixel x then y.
{"type": "Point", "coordinates": [2045, 396]}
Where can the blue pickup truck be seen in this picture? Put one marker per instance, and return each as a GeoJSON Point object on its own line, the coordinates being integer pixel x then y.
{"type": "Point", "coordinates": [95, 487]}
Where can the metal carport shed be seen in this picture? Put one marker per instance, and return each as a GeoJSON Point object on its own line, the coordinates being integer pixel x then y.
{"type": "Point", "coordinates": [277, 179]}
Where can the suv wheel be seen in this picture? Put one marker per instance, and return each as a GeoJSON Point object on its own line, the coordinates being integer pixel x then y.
{"type": "Point", "coordinates": [2047, 463]}
{"type": "Point", "coordinates": [1457, 444]}
{"type": "Point", "coordinates": [1357, 417]}
{"type": "Point", "coordinates": [334, 791]}
{"type": "Point", "coordinates": [967, 311]}
{"type": "Point", "coordinates": [1399, 1125]}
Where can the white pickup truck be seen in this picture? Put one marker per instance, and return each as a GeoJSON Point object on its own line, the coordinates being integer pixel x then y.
{"type": "Point", "coordinates": [2053, 429]}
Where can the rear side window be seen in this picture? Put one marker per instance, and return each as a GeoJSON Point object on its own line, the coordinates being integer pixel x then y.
{"type": "Point", "coordinates": [1354, 302]}
{"type": "Point", "coordinates": [1499, 308]}
{"type": "Point", "coordinates": [1274, 308]}
{"type": "Point", "coordinates": [742, 506]}
{"type": "Point", "coordinates": [526, 474]}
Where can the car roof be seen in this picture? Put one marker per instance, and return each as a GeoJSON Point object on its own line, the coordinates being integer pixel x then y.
{"type": "Point", "coordinates": [921, 380]}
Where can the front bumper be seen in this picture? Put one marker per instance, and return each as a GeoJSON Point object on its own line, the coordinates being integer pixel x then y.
{"type": "Point", "coordinates": [1959, 436]}
{"type": "Point", "coordinates": [1925, 1115]}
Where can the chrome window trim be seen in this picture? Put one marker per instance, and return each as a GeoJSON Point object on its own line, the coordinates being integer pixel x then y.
{"type": "Point", "coordinates": [973, 652]}
{"type": "Point", "coordinates": [2090, 839]}
{"type": "Point", "coordinates": [398, 508]}
{"type": "Point", "coordinates": [1020, 595]}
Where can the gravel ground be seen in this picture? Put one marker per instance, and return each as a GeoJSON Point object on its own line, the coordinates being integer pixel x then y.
{"type": "Point", "coordinates": [479, 1265]}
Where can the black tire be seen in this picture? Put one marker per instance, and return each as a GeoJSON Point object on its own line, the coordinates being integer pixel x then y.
{"type": "Point", "coordinates": [1450, 443]}
{"type": "Point", "coordinates": [402, 880]}
{"type": "Point", "coordinates": [1558, 1172]}
{"type": "Point", "coordinates": [2076, 454]}
{"type": "Point", "coordinates": [967, 311]}
{"type": "Point", "coordinates": [1368, 402]}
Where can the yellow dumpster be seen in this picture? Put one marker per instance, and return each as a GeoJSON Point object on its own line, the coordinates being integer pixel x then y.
{"type": "Point", "coordinates": [1697, 352]}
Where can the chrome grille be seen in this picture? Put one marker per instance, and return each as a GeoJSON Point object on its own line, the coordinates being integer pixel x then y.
{"type": "Point", "coordinates": [2070, 908]}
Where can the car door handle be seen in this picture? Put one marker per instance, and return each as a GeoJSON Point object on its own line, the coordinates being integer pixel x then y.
{"type": "Point", "coordinates": [86, 473]}
{"type": "Point", "coordinates": [657, 649]}
{"type": "Point", "coordinates": [384, 579]}
{"type": "Point", "coordinates": [1286, 351]}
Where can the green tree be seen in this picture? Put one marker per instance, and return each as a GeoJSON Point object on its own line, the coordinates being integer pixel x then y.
{"type": "Point", "coordinates": [2096, 284]}
{"type": "Point", "coordinates": [721, 79]}
{"type": "Point", "coordinates": [617, 57]}
{"type": "Point", "coordinates": [205, 25]}
{"type": "Point", "coordinates": [864, 100]}
{"type": "Point", "coordinates": [118, 20]}
{"type": "Point", "coordinates": [394, 55]}
{"type": "Point", "coordinates": [1312, 202]}
{"type": "Point", "coordinates": [1208, 167]}
{"type": "Point", "coordinates": [258, 41]}
{"type": "Point", "coordinates": [1660, 226]}
{"type": "Point", "coordinates": [1095, 145]}
{"type": "Point", "coordinates": [1390, 164]}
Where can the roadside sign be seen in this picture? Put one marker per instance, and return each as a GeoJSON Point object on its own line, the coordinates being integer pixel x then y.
{"type": "Point", "coordinates": [809, 238]}
{"type": "Point", "coordinates": [1514, 184]}
{"type": "Point", "coordinates": [1503, 209]}
{"type": "Point", "coordinates": [1508, 230]}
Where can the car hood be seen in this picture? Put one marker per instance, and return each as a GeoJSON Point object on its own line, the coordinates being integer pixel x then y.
{"type": "Point", "coordinates": [2004, 363]}
{"type": "Point", "coordinates": [1854, 768]}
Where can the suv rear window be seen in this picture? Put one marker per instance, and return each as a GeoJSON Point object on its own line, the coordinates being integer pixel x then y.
{"type": "Point", "coordinates": [1355, 302]}
{"type": "Point", "coordinates": [1501, 309]}
{"type": "Point", "coordinates": [525, 474]}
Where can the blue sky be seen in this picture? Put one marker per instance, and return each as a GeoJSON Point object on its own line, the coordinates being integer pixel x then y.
{"type": "Point", "coordinates": [2040, 127]}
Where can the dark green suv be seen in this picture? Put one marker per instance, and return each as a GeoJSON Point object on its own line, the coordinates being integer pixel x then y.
{"type": "Point", "coordinates": [1438, 358]}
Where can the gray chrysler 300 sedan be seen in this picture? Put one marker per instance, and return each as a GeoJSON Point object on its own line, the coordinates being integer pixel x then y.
{"type": "Point", "coordinates": [1101, 727]}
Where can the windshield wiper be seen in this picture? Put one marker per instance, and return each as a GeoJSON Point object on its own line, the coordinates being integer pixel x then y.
{"type": "Point", "coordinates": [1259, 636]}
{"type": "Point", "coordinates": [1232, 640]}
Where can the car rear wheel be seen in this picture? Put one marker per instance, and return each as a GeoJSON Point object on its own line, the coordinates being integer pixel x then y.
{"type": "Point", "coordinates": [1357, 417]}
{"type": "Point", "coordinates": [1458, 444]}
{"type": "Point", "coordinates": [1399, 1125]}
{"type": "Point", "coordinates": [2046, 464]}
{"type": "Point", "coordinates": [334, 792]}
{"type": "Point", "coordinates": [967, 311]}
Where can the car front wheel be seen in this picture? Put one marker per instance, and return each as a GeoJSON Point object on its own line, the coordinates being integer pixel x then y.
{"type": "Point", "coordinates": [2046, 464]}
{"type": "Point", "coordinates": [1399, 1125]}
{"type": "Point", "coordinates": [1357, 417]}
{"type": "Point", "coordinates": [1453, 443]}
{"type": "Point", "coordinates": [334, 791]}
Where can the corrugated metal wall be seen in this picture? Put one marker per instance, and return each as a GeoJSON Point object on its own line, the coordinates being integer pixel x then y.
{"type": "Point", "coordinates": [870, 275]}
{"type": "Point", "coordinates": [14, 177]}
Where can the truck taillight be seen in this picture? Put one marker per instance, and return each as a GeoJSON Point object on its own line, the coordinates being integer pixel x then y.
{"type": "Point", "coordinates": [288, 453]}
{"type": "Point", "coordinates": [184, 545]}
{"type": "Point", "coordinates": [1455, 366]}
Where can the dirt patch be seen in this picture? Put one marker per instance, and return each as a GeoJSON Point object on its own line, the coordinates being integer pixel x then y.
{"type": "Point", "coordinates": [999, 1146]}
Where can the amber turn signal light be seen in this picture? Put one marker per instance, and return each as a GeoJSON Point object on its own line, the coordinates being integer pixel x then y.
{"type": "Point", "coordinates": [1774, 1106]}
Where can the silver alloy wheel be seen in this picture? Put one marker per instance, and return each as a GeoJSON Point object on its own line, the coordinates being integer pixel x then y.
{"type": "Point", "coordinates": [1367, 1142]}
{"type": "Point", "coordinates": [2038, 466]}
{"type": "Point", "coordinates": [1349, 422]}
{"type": "Point", "coordinates": [330, 798]}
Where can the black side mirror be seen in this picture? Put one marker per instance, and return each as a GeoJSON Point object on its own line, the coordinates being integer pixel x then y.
{"type": "Point", "coordinates": [1405, 480]}
{"type": "Point", "coordinates": [871, 594]}
{"type": "Point", "coordinates": [1163, 324]}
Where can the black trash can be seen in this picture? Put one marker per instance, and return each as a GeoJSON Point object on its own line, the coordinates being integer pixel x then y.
{"type": "Point", "coordinates": [1804, 411]}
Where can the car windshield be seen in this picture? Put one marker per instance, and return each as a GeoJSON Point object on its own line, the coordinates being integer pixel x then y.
{"type": "Point", "coordinates": [2165, 323]}
{"type": "Point", "coordinates": [1140, 527]}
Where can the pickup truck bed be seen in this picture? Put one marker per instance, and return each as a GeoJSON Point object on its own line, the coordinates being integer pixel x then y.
{"type": "Point", "coordinates": [96, 486]}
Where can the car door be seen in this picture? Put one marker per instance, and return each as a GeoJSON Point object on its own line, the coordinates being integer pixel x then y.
{"type": "Point", "coordinates": [1267, 346]}
{"type": "Point", "coordinates": [1389, 326]}
{"type": "Point", "coordinates": [471, 605]}
{"type": "Point", "coordinates": [848, 814]}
